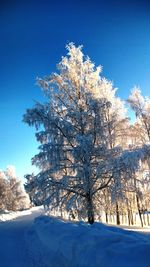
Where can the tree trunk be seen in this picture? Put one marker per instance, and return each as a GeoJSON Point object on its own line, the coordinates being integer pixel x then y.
{"type": "Point", "coordinates": [138, 203]}
{"type": "Point", "coordinates": [91, 219]}
{"type": "Point", "coordinates": [148, 219]}
{"type": "Point", "coordinates": [106, 214]}
{"type": "Point", "coordinates": [144, 218]}
{"type": "Point", "coordinates": [128, 212]}
{"type": "Point", "coordinates": [139, 211]}
{"type": "Point", "coordinates": [131, 214]}
{"type": "Point", "coordinates": [117, 214]}
{"type": "Point", "coordinates": [90, 211]}
{"type": "Point", "coordinates": [129, 219]}
{"type": "Point", "coordinates": [110, 218]}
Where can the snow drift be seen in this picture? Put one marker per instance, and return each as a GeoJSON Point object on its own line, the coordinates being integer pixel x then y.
{"type": "Point", "coordinates": [56, 243]}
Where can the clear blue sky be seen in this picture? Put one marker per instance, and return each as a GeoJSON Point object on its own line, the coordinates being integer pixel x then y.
{"type": "Point", "coordinates": [33, 35]}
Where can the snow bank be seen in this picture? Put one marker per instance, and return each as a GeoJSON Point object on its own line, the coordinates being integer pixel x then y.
{"type": "Point", "coordinates": [6, 215]}
{"type": "Point", "coordinates": [55, 243]}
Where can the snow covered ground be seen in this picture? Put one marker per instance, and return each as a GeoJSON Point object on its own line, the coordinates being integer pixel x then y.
{"type": "Point", "coordinates": [51, 242]}
{"type": "Point", "coordinates": [145, 229]}
{"type": "Point", "coordinates": [13, 247]}
{"type": "Point", "coordinates": [56, 243]}
{"type": "Point", "coordinates": [10, 215]}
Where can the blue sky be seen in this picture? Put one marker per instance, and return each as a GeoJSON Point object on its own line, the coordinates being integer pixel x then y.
{"type": "Point", "coordinates": [33, 35]}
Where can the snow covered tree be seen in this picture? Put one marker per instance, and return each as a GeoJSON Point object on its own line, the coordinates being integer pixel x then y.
{"type": "Point", "coordinates": [141, 107]}
{"type": "Point", "coordinates": [31, 189]}
{"type": "Point", "coordinates": [3, 190]}
{"type": "Point", "coordinates": [77, 129]}
{"type": "Point", "coordinates": [140, 135]}
{"type": "Point", "coordinates": [12, 195]}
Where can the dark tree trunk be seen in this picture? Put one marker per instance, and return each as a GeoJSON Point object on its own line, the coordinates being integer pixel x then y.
{"type": "Point", "coordinates": [91, 219]}
{"type": "Point", "coordinates": [106, 214]}
{"type": "Point", "coordinates": [90, 210]}
{"type": "Point", "coordinates": [117, 214]}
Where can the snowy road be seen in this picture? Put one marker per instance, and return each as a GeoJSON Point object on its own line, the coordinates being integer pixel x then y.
{"type": "Point", "coordinates": [13, 252]}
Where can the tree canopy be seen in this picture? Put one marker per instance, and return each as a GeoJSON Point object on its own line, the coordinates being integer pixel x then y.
{"type": "Point", "coordinates": [81, 129]}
